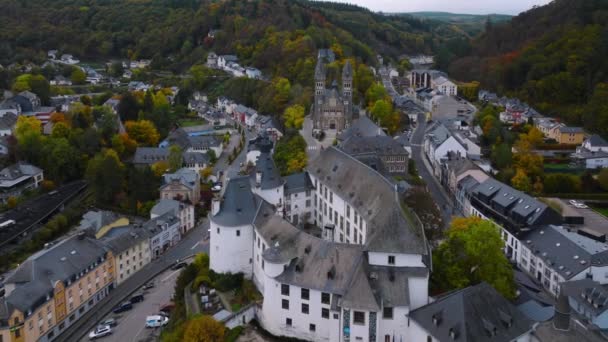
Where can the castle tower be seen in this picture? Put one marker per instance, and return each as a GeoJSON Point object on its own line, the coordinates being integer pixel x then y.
{"type": "Point", "coordinates": [347, 92]}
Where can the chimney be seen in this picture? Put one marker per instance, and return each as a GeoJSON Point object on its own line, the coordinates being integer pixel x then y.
{"type": "Point", "coordinates": [215, 206]}
{"type": "Point", "coordinates": [258, 178]}
{"type": "Point", "coordinates": [561, 320]}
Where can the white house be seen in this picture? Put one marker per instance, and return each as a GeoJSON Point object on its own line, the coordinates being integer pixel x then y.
{"type": "Point", "coordinates": [7, 124]}
{"type": "Point", "coordinates": [184, 211]}
{"type": "Point", "coordinates": [223, 60]}
{"type": "Point", "coordinates": [164, 232]}
{"type": "Point", "coordinates": [69, 59]}
{"type": "Point", "coordinates": [594, 143]}
{"type": "Point", "coordinates": [438, 141]}
{"type": "Point", "coordinates": [253, 73]}
{"type": "Point", "coordinates": [444, 86]}
{"type": "Point", "coordinates": [314, 287]}
{"type": "Point", "coordinates": [298, 191]}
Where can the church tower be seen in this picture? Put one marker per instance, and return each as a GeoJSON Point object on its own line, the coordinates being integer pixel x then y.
{"type": "Point", "coordinates": [347, 92]}
{"type": "Point", "coordinates": [319, 90]}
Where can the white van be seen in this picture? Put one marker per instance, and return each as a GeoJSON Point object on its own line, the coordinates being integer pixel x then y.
{"type": "Point", "coordinates": [156, 321]}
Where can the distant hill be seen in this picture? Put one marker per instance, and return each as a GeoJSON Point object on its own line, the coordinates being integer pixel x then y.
{"type": "Point", "coordinates": [553, 56]}
{"type": "Point", "coordinates": [471, 24]}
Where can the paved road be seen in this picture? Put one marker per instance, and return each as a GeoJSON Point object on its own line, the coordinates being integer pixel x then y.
{"type": "Point", "coordinates": [131, 324]}
{"type": "Point", "coordinates": [192, 243]}
{"type": "Point", "coordinates": [424, 170]}
{"type": "Point", "coordinates": [232, 170]}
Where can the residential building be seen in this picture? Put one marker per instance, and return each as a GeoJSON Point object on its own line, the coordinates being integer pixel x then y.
{"type": "Point", "coordinates": [253, 73]}
{"type": "Point", "coordinates": [594, 143]}
{"type": "Point", "coordinates": [223, 60]}
{"type": "Point", "coordinates": [9, 106]}
{"type": "Point", "coordinates": [266, 124]}
{"type": "Point", "coordinates": [130, 246]}
{"type": "Point", "coordinates": [195, 161]}
{"type": "Point", "coordinates": [182, 185]}
{"type": "Point", "coordinates": [60, 80]}
{"type": "Point", "coordinates": [333, 109]}
{"type": "Point", "coordinates": [438, 141]}
{"type": "Point", "coordinates": [101, 221]}
{"type": "Point", "coordinates": [164, 232]}
{"type": "Point", "coordinates": [589, 299]}
{"type": "Point", "coordinates": [569, 135]}
{"type": "Point", "coordinates": [337, 287]}
{"type": "Point", "coordinates": [476, 313]}
{"type": "Point", "coordinates": [513, 211]}
{"type": "Point", "coordinates": [376, 150]}
{"type": "Point", "coordinates": [245, 115]}
{"type": "Point", "coordinates": [17, 178]}
{"type": "Point", "coordinates": [547, 126]}
{"type": "Point", "coordinates": [255, 147]}
{"type": "Point", "coordinates": [590, 159]}
{"type": "Point", "coordinates": [184, 211]}
{"type": "Point", "coordinates": [195, 141]}
{"type": "Point", "coordinates": [298, 190]}
{"type": "Point", "coordinates": [69, 59]}
{"type": "Point", "coordinates": [147, 156]}
{"type": "Point", "coordinates": [4, 145]}
{"type": "Point", "coordinates": [212, 59]}
{"type": "Point", "coordinates": [434, 80]}
{"type": "Point", "coordinates": [456, 168]}
{"type": "Point", "coordinates": [554, 254]}
{"type": "Point", "coordinates": [54, 288]}
{"type": "Point", "coordinates": [7, 124]}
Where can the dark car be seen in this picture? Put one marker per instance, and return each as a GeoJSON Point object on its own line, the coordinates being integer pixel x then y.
{"type": "Point", "coordinates": [137, 298]}
{"type": "Point", "coordinates": [126, 306]}
{"type": "Point", "coordinates": [148, 286]}
{"type": "Point", "coordinates": [179, 265]}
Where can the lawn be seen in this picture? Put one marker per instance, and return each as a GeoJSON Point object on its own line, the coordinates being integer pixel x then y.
{"type": "Point", "coordinates": [562, 168]}
{"type": "Point", "coordinates": [603, 211]}
{"type": "Point", "coordinates": [192, 122]}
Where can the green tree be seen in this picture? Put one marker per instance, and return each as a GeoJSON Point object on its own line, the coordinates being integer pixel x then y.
{"type": "Point", "coordinates": [128, 107]}
{"type": "Point", "coordinates": [290, 154]}
{"type": "Point", "coordinates": [472, 253]}
{"type": "Point", "coordinates": [376, 92]}
{"type": "Point", "coordinates": [175, 158]}
{"type": "Point", "coordinates": [78, 76]}
{"type": "Point", "coordinates": [294, 117]}
{"type": "Point", "coordinates": [602, 178]}
{"type": "Point", "coordinates": [105, 174]}
{"type": "Point", "coordinates": [143, 131]}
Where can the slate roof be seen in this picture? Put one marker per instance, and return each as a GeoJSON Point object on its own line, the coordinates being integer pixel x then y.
{"type": "Point", "coordinates": [587, 293]}
{"type": "Point", "coordinates": [347, 71]}
{"type": "Point", "coordinates": [8, 121]}
{"type": "Point", "coordinates": [362, 127]}
{"type": "Point", "coordinates": [36, 276]}
{"type": "Point", "coordinates": [150, 155]}
{"type": "Point", "coordinates": [155, 226]}
{"type": "Point", "coordinates": [97, 219]}
{"type": "Point", "coordinates": [567, 253]}
{"type": "Point", "coordinates": [125, 239]}
{"type": "Point", "coordinates": [437, 133]}
{"type": "Point", "coordinates": [204, 141]}
{"type": "Point", "coordinates": [165, 205]}
{"type": "Point", "coordinates": [568, 129]}
{"type": "Point", "coordinates": [597, 141]}
{"type": "Point", "coordinates": [271, 178]}
{"type": "Point", "coordinates": [297, 182]}
{"type": "Point", "coordinates": [184, 176]}
{"type": "Point", "coordinates": [374, 198]}
{"type": "Point", "coordinates": [320, 70]}
{"type": "Point", "coordinates": [195, 157]}
{"type": "Point", "coordinates": [378, 145]}
{"type": "Point", "coordinates": [239, 204]}
{"type": "Point", "coordinates": [476, 314]}
{"type": "Point", "coordinates": [15, 173]}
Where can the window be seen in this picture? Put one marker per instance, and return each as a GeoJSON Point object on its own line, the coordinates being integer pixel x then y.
{"type": "Point", "coordinates": [391, 259]}
{"type": "Point", "coordinates": [17, 333]}
{"type": "Point", "coordinates": [218, 230]}
{"type": "Point", "coordinates": [331, 197]}
{"type": "Point", "coordinates": [307, 203]}
{"type": "Point", "coordinates": [312, 327]}
{"type": "Point", "coordinates": [305, 308]}
{"type": "Point", "coordinates": [238, 233]}
{"type": "Point", "coordinates": [325, 298]}
{"type": "Point", "coordinates": [325, 313]}
{"type": "Point", "coordinates": [305, 294]}
{"type": "Point", "coordinates": [285, 304]}
{"type": "Point", "coordinates": [359, 317]}
{"type": "Point", "coordinates": [288, 322]}
{"type": "Point", "coordinates": [387, 313]}
{"type": "Point", "coordinates": [285, 289]}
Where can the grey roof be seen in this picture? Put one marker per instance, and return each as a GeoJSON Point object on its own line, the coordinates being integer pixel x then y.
{"type": "Point", "coordinates": [568, 129]}
{"type": "Point", "coordinates": [184, 176]}
{"type": "Point", "coordinates": [125, 239]}
{"type": "Point", "coordinates": [437, 133]}
{"type": "Point", "coordinates": [326, 54]}
{"type": "Point", "coordinates": [229, 58]}
{"type": "Point", "coordinates": [459, 164]}
{"type": "Point", "coordinates": [377, 145]}
{"type": "Point", "coordinates": [204, 141]}
{"type": "Point", "coordinates": [165, 205]}
{"type": "Point", "coordinates": [195, 157]}
{"type": "Point", "coordinates": [477, 313]}
{"type": "Point", "coordinates": [96, 219]}
{"type": "Point", "coordinates": [546, 332]}
{"type": "Point", "coordinates": [297, 182]}
{"type": "Point", "coordinates": [347, 70]}
{"type": "Point", "coordinates": [320, 70]}
{"type": "Point", "coordinates": [587, 293]}
{"type": "Point", "coordinates": [568, 253]}
{"type": "Point", "coordinates": [374, 198]}
{"type": "Point", "coordinates": [239, 205]}
{"type": "Point", "coordinates": [596, 140]}
{"type": "Point", "coordinates": [586, 154]}
{"type": "Point", "coordinates": [271, 178]}
{"type": "Point", "coordinates": [35, 278]}
{"type": "Point", "coordinates": [8, 121]}
{"type": "Point", "coordinates": [155, 226]}
{"type": "Point", "coordinates": [150, 155]}
{"type": "Point", "coordinates": [362, 127]}
{"type": "Point", "coordinates": [513, 204]}
{"type": "Point", "coordinates": [16, 171]}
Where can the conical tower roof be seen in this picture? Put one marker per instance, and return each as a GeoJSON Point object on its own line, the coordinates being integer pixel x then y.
{"type": "Point", "coordinates": [347, 71]}
{"type": "Point", "coordinates": [320, 70]}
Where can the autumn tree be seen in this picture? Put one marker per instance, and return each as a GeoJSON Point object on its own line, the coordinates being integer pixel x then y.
{"type": "Point", "coordinates": [521, 181]}
{"type": "Point", "coordinates": [290, 154]}
{"type": "Point", "coordinates": [143, 131]}
{"type": "Point", "coordinates": [78, 76]}
{"type": "Point", "coordinates": [472, 253]}
{"type": "Point", "coordinates": [175, 158]}
{"type": "Point", "coordinates": [203, 329]}
{"type": "Point", "coordinates": [105, 173]}
{"type": "Point", "coordinates": [294, 117]}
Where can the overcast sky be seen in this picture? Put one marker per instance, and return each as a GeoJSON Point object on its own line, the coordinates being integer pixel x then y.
{"type": "Point", "coordinates": [455, 6]}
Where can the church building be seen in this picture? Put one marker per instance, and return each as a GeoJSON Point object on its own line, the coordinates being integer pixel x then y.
{"type": "Point", "coordinates": [333, 108]}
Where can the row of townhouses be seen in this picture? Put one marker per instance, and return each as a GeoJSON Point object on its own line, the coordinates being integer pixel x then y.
{"type": "Point", "coordinates": [338, 258]}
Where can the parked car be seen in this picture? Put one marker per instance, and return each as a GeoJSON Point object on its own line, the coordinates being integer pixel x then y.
{"type": "Point", "coordinates": [137, 298]}
{"type": "Point", "coordinates": [148, 285]}
{"type": "Point", "coordinates": [216, 188]}
{"type": "Point", "coordinates": [110, 321]}
{"type": "Point", "coordinates": [126, 306]}
{"type": "Point", "coordinates": [156, 321]}
{"type": "Point", "coordinates": [100, 331]}
{"type": "Point", "coordinates": [178, 265]}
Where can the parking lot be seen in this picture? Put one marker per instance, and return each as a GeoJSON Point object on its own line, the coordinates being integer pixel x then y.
{"type": "Point", "coordinates": [131, 324]}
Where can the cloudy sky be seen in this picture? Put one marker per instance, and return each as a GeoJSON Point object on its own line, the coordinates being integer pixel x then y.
{"type": "Point", "coordinates": [455, 6]}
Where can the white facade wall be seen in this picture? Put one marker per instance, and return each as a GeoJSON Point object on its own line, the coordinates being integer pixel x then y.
{"type": "Point", "coordinates": [298, 206]}
{"type": "Point", "coordinates": [169, 236]}
{"type": "Point", "coordinates": [250, 120]}
{"type": "Point", "coordinates": [132, 260]}
{"type": "Point", "coordinates": [231, 249]}
{"type": "Point", "coordinates": [273, 196]}
{"type": "Point", "coordinates": [331, 209]}
{"type": "Point", "coordinates": [396, 326]}
{"type": "Point", "coordinates": [186, 217]}
{"type": "Point", "coordinates": [596, 163]}
{"type": "Point", "coordinates": [252, 156]}
{"type": "Point", "coordinates": [419, 291]}
{"type": "Point", "coordinates": [401, 260]}
{"type": "Point", "coordinates": [451, 144]}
